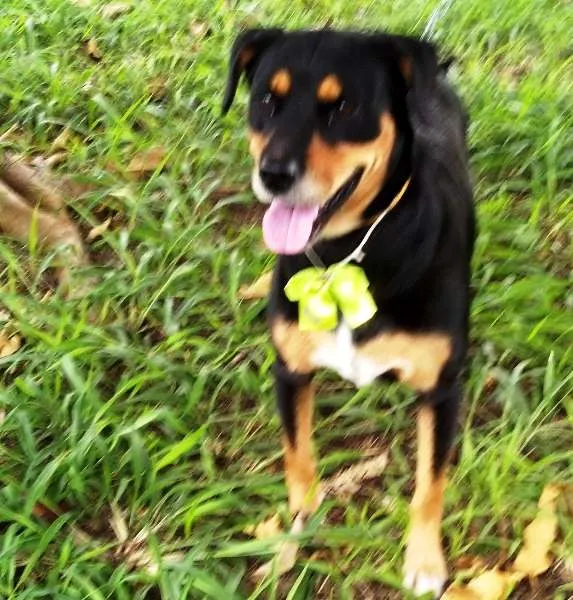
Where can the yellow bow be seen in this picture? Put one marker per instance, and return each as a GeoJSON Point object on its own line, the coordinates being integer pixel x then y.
{"type": "Point", "coordinates": [322, 293]}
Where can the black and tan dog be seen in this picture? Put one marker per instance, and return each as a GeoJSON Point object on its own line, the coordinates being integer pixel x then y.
{"type": "Point", "coordinates": [344, 127]}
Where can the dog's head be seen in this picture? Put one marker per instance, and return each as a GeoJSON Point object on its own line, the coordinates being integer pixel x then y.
{"type": "Point", "coordinates": [326, 109]}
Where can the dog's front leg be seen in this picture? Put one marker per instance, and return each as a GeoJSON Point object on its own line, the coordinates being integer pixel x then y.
{"type": "Point", "coordinates": [425, 566]}
{"type": "Point", "coordinates": [295, 399]}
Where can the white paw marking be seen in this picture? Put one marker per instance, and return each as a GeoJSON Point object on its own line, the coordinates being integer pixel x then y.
{"type": "Point", "coordinates": [423, 582]}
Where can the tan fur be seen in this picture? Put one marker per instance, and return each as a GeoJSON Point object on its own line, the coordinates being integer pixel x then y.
{"type": "Point", "coordinates": [330, 166]}
{"type": "Point", "coordinates": [406, 69]}
{"type": "Point", "coordinates": [257, 143]}
{"type": "Point", "coordinates": [426, 353]}
{"type": "Point", "coordinates": [300, 466]}
{"type": "Point", "coordinates": [329, 89]}
{"type": "Point", "coordinates": [424, 548]}
{"type": "Point", "coordinates": [245, 57]}
{"type": "Point", "coordinates": [295, 346]}
{"type": "Point", "coordinates": [281, 83]}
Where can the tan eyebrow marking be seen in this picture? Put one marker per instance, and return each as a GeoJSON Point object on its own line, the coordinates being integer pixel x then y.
{"type": "Point", "coordinates": [330, 89]}
{"type": "Point", "coordinates": [281, 82]}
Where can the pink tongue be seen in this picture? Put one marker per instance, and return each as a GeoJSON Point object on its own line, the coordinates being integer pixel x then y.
{"type": "Point", "coordinates": [287, 229]}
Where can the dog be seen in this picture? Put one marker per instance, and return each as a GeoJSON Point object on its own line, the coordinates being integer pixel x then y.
{"type": "Point", "coordinates": [359, 149]}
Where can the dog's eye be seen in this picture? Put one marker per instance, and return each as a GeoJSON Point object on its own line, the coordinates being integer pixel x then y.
{"type": "Point", "coordinates": [340, 109]}
{"type": "Point", "coordinates": [268, 106]}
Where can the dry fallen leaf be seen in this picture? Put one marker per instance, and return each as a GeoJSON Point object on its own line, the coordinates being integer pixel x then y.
{"type": "Point", "coordinates": [115, 9]}
{"type": "Point", "coordinates": [258, 289]}
{"type": "Point", "coordinates": [344, 485]}
{"type": "Point", "coordinates": [532, 560]}
{"type": "Point", "coordinates": [459, 592]}
{"type": "Point", "coordinates": [266, 529]}
{"type": "Point", "coordinates": [147, 161]}
{"type": "Point", "coordinates": [118, 524]}
{"type": "Point", "coordinates": [539, 535]}
{"type": "Point", "coordinates": [493, 584]}
{"type": "Point", "coordinates": [92, 50]}
{"type": "Point", "coordinates": [61, 142]}
{"type": "Point", "coordinates": [199, 29]}
{"type": "Point", "coordinates": [9, 345]}
{"type": "Point", "coordinates": [490, 585]}
{"type": "Point", "coordinates": [152, 567]}
{"type": "Point", "coordinates": [98, 230]}
{"type": "Point", "coordinates": [54, 159]}
{"type": "Point", "coordinates": [157, 87]}
{"type": "Point", "coordinates": [469, 563]}
{"type": "Point", "coordinates": [285, 558]}
{"type": "Point", "coordinates": [568, 568]}
{"type": "Point", "coordinates": [348, 482]}
{"type": "Point", "coordinates": [226, 191]}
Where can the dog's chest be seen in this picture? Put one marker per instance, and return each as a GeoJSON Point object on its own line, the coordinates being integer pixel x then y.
{"type": "Point", "coordinates": [337, 351]}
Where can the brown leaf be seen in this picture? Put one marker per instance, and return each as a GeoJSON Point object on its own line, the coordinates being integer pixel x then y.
{"type": "Point", "coordinates": [539, 535]}
{"type": "Point", "coordinates": [493, 584]}
{"type": "Point", "coordinates": [532, 560]}
{"type": "Point", "coordinates": [61, 142]}
{"type": "Point", "coordinates": [9, 133]}
{"type": "Point", "coordinates": [98, 230]}
{"type": "Point", "coordinates": [55, 159]}
{"type": "Point", "coordinates": [285, 557]}
{"type": "Point", "coordinates": [41, 511]}
{"type": "Point", "coordinates": [199, 29]}
{"type": "Point", "coordinates": [92, 50]}
{"type": "Point", "coordinates": [225, 191]}
{"type": "Point", "coordinates": [74, 187]}
{"type": "Point", "coordinates": [348, 482]}
{"type": "Point", "coordinates": [568, 568]}
{"type": "Point", "coordinates": [147, 161]}
{"type": "Point", "coordinates": [490, 585]}
{"type": "Point", "coordinates": [266, 529]}
{"type": "Point", "coordinates": [9, 345]}
{"type": "Point", "coordinates": [473, 564]}
{"type": "Point", "coordinates": [459, 592]}
{"type": "Point", "coordinates": [258, 289]}
{"type": "Point", "coordinates": [157, 87]}
{"type": "Point", "coordinates": [31, 184]}
{"type": "Point", "coordinates": [115, 9]}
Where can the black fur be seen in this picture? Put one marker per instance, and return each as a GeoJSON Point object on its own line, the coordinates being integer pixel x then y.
{"type": "Point", "coordinates": [418, 260]}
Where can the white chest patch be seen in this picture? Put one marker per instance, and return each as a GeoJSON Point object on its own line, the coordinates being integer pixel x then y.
{"type": "Point", "coordinates": [339, 353]}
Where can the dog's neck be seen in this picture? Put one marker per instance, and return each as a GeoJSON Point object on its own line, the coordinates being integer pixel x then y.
{"type": "Point", "coordinates": [396, 183]}
{"type": "Point", "coordinates": [399, 171]}
{"type": "Point", "coordinates": [395, 255]}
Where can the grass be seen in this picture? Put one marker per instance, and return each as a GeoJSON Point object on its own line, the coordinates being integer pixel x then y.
{"type": "Point", "coordinates": [151, 396]}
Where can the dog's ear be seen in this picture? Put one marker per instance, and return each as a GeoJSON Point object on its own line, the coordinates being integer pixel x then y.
{"type": "Point", "coordinates": [416, 60]}
{"type": "Point", "coordinates": [245, 54]}
{"type": "Point", "coordinates": [415, 63]}
{"type": "Point", "coordinates": [446, 64]}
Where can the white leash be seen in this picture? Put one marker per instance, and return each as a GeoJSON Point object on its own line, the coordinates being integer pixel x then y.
{"type": "Point", "coordinates": [436, 15]}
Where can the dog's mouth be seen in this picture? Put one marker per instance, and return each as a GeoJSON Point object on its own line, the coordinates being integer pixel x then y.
{"type": "Point", "coordinates": [289, 228]}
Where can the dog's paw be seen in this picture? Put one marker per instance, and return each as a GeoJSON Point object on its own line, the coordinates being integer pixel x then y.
{"type": "Point", "coordinates": [305, 501]}
{"type": "Point", "coordinates": [425, 571]}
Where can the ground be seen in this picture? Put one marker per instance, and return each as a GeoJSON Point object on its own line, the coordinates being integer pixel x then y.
{"type": "Point", "coordinates": [148, 402]}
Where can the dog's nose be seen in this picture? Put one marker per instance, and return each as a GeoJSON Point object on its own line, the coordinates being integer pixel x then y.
{"type": "Point", "coordinates": [278, 176]}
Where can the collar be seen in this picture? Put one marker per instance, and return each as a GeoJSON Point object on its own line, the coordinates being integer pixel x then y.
{"type": "Point", "coordinates": [358, 253]}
